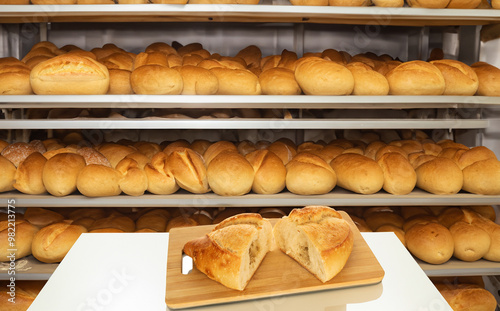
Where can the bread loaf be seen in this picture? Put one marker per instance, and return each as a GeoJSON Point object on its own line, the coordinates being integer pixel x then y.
{"type": "Point", "coordinates": [416, 78]}
{"type": "Point", "coordinates": [233, 251]}
{"type": "Point", "coordinates": [317, 76]}
{"type": "Point", "coordinates": [7, 174]}
{"type": "Point", "coordinates": [358, 173]}
{"type": "Point", "coordinates": [459, 78]}
{"type": "Point", "coordinates": [60, 173]}
{"type": "Point", "coordinates": [440, 176]}
{"type": "Point", "coordinates": [317, 238]}
{"type": "Point", "coordinates": [52, 243]}
{"type": "Point", "coordinates": [23, 234]}
{"type": "Point", "coordinates": [28, 178]}
{"type": "Point", "coordinates": [198, 81]}
{"type": "Point", "coordinates": [98, 181]}
{"type": "Point", "coordinates": [399, 175]}
{"type": "Point", "coordinates": [236, 82]}
{"type": "Point", "coordinates": [431, 242]}
{"type": "Point", "coordinates": [41, 217]}
{"type": "Point", "coordinates": [119, 82]}
{"type": "Point", "coordinates": [17, 152]}
{"type": "Point", "coordinates": [488, 76]}
{"type": "Point", "coordinates": [467, 297]}
{"type": "Point", "coordinates": [15, 79]}
{"type": "Point", "coordinates": [269, 172]}
{"type": "Point", "coordinates": [279, 81]}
{"type": "Point", "coordinates": [156, 80]}
{"type": "Point", "coordinates": [309, 174]}
{"type": "Point", "coordinates": [471, 242]}
{"type": "Point", "coordinates": [214, 149]}
{"type": "Point", "coordinates": [134, 180]}
{"type": "Point", "coordinates": [482, 177]}
{"type": "Point", "coordinates": [160, 178]}
{"type": "Point", "coordinates": [230, 174]}
{"type": "Point", "coordinates": [189, 170]}
{"type": "Point", "coordinates": [366, 80]}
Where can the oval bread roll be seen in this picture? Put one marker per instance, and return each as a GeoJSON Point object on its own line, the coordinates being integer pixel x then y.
{"type": "Point", "coordinates": [98, 181]}
{"type": "Point", "coordinates": [416, 78]}
{"type": "Point", "coordinates": [41, 217]}
{"type": "Point", "coordinates": [482, 177]}
{"type": "Point", "coordinates": [52, 243]}
{"type": "Point", "coordinates": [440, 176]}
{"type": "Point", "coordinates": [317, 76]}
{"type": "Point", "coordinates": [198, 81]}
{"type": "Point", "coordinates": [366, 80]}
{"type": "Point", "coordinates": [459, 78]}
{"type": "Point", "coordinates": [15, 80]}
{"type": "Point", "coordinates": [7, 174]}
{"type": "Point", "coordinates": [270, 172]}
{"type": "Point", "coordinates": [119, 82]}
{"type": "Point", "coordinates": [156, 80]}
{"type": "Point", "coordinates": [134, 180]}
{"type": "Point", "coordinates": [24, 233]}
{"type": "Point", "coordinates": [61, 172]}
{"type": "Point", "coordinates": [279, 81]}
{"type": "Point", "coordinates": [488, 76]}
{"type": "Point", "coordinates": [431, 242]}
{"type": "Point", "coordinates": [230, 174]}
{"type": "Point", "coordinates": [189, 170]}
{"type": "Point", "coordinates": [29, 174]}
{"type": "Point", "coordinates": [358, 173]}
{"type": "Point", "coordinates": [399, 175]}
{"type": "Point", "coordinates": [309, 174]}
{"type": "Point", "coordinates": [160, 178]}
{"type": "Point", "coordinates": [471, 242]}
{"type": "Point", "coordinates": [236, 82]}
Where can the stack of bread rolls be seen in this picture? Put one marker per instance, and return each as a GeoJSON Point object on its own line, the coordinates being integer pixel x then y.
{"type": "Point", "coordinates": [164, 69]}
{"type": "Point", "coordinates": [233, 169]}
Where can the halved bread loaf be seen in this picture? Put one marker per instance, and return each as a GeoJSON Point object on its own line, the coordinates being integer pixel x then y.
{"type": "Point", "coordinates": [233, 251]}
{"type": "Point", "coordinates": [317, 238]}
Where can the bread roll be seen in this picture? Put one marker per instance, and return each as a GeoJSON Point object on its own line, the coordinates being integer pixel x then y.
{"type": "Point", "coordinates": [379, 219]}
{"type": "Point", "coordinates": [115, 152]}
{"type": "Point", "coordinates": [160, 178]}
{"type": "Point", "coordinates": [400, 234]}
{"type": "Point", "coordinates": [15, 80]}
{"type": "Point", "coordinates": [440, 4]}
{"type": "Point", "coordinates": [148, 149]}
{"type": "Point", "coordinates": [52, 243]}
{"type": "Point", "coordinates": [189, 170]}
{"type": "Point", "coordinates": [230, 174]}
{"type": "Point", "coordinates": [120, 222]}
{"type": "Point", "coordinates": [459, 78]}
{"type": "Point", "coordinates": [61, 172]}
{"type": "Point", "coordinates": [214, 149]}
{"type": "Point", "coordinates": [94, 213]}
{"type": "Point", "coordinates": [416, 78]}
{"type": "Point", "coordinates": [17, 152]}
{"type": "Point", "coordinates": [473, 155]}
{"type": "Point", "coordinates": [269, 172]}
{"type": "Point", "coordinates": [310, 2]}
{"type": "Point", "coordinates": [198, 81]}
{"type": "Point", "coordinates": [389, 3]}
{"type": "Point", "coordinates": [156, 80]}
{"type": "Point", "coordinates": [279, 81]}
{"type": "Point", "coordinates": [495, 4]}
{"type": "Point", "coordinates": [233, 251]}
{"type": "Point", "coordinates": [119, 82]}
{"type": "Point", "coordinates": [482, 177]}
{"type": "Point", "coordinates": [440, 176]}
{"type": "Point", "coordinates": [410, 211]}
{"type": "Point", "coordinates": [450, 216]}
{"type": "Point", "coordinates": [471, 242]}
{"type": "Point", "coordinates": [251, 54]}
{"type": "Point", "coordinates": [202, 217]}
{"type": "Point", "coordinates": [85, 222]}
{"type": "Point", "coordinates": [431, 242]}
{"type": "Point", "coordinates": [70, 74]}
{"type": "Point", "coordinates": [468, 297]}
{"type": "Point", "coordinates": [419, 219]}
{"type": "Point", "coordinates": [180, 221]}
{"type": "Point", "coordinates": [358, 173]}
{"type": "Point", "coordinates": [491, 228]}
{"type": "Point", "coordinates": [180, 143]}
{"type": "Point", "coordinates": [309, 174]}
{"type": "Point", "coordinates": [134, 180]}
{"type": "Point", "coordinates": [488, 76]}
{"type": "Point", "coordinates": [399, 175]}
{"type": "Point", "coordinates": [98, 181]}
{"type": "Point", "coordinates": [41, 217]}
{"type": "Point", "coordinates": [28, 178]}
{"type": "Point", "coordinates": [366, 80]}
{"type": "Point", "coordinates": [317, 238]}
{"type": "Point", "coordinates": [24, 233]}
{"type": "Point", "coordinates": [7, 174]}
{"type": "Point", "coordinates": [236, 82]}
{"type": "Point", "coordinates": [486, 211]}
{"type": "Point", "coordinates": [317, 76]}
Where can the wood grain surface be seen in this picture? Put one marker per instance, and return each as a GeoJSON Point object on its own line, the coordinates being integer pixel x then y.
{"type": "Point", "coordinates": [278, 274]}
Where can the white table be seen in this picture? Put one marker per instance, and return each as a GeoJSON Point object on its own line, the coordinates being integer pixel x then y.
{"type": "Point", "coordinates": [113, 271]}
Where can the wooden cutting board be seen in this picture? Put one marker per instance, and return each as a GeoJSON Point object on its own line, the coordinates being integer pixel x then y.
{"type": "Point", "coordinates": [278, 274]}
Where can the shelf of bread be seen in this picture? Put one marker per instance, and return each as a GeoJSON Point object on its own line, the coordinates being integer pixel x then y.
{"type": "Point", "coordinates": [276, 11]}
{"type": "Point", "coordinates": [454, 267]}
{"type": "Point", "coordinates": [338, 197]}
{"type": "Point", "coordinates": [135, 101]}
{"type": "Point", "coordinates": [238, 123]}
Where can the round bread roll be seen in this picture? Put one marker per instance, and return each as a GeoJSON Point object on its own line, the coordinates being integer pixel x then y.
{"type": "Point", "coordinates": [431, 4]}
{"type": "Point", "coordinates": [372, 149]}
{"type": "Point", "coordinates": [358, 173]}
{"type": "Point", "coordinates": [53, 242]}
{"type": "Point", "coordinates": [410, 211]}
{"type": "Point", "coordinates": [60, 173]}
{"type": "Point", "coordinates": [156, 80]}
{"type": "Point", "coordinates": [124, 223]}
{"type": "Point", "coordinates": [245, 147]}
{"type": "Point", "coordinates": [389, 3]}
{"type": "Point", "coordinates": [230, 174]}
{"type": "Point", "coordinates": [189, 170]}
{"type": "Point", "coordinates": [69, 74]}
{"type": "Point", "coordinates": [482, 177]}
{"type": "Point", "coordinates": [160, 178]}
{"type": "Point", "coordinates": [378, 219]}
{"type": "Point", "coordinates": [98, 181]}
{"type": "Point", "coordinates": [416, 78]}
{"type": "Point", "coordinates": [471, 242]}
{"type": "Point", "coordinates": [309, 174]}
{"type": "Point", "coordinates": [400, 234]}
{"type": "Point", "coordinates": [279, 81]}
{"type": "Point", "coordinates": [200, 145]}
{"type": "Point", "coordinates": [198, 81]}
{"type": "Point", "coordinates": [17, 152]}
{"type": "Point", "coordinates": [269, 172]}
{"type": "Point", "coordinates": [134, 180]}
{"type": "Point", "coordinates": [251, 54]}
{"type": "Point", "coordinates": [181, 221]}
{"type": "Point", "coordinates": [366, 80]}
{"type": "Point", "coordinates": [7, 174]}
{"type": "Point", "coordinates": [118, 60]}
{"type": "Point", "coordinates": [28, 178]}
{"type": "Point", "coordinates": [399, 175]}
{"type": "Point", "coordinates": [309, 146]}
{"type": "Point", "coordinates": [214, 149]}
{"type": "Point", "coordinates": [236, 82]}
{"type": "Point", "coordinates": [317, 76]}
{"type": "Point", "coordinates": [459, 78]}
{"type": "Point", "coordinates": [431, 242]}
{"type": "Point", "coordinates": [488, 76]}
{"type": "Point", "coordinates": [119, 82]}
{"type": "Point", "coordinates": [150, 58]}
{"type": "Point", "coordinates": [160, 47]}
{"type": "Point", "coordinates": [41, 217]}
{"type": "Point", "coordinates": [284, 151]}
{"type": "Point", "coordinates": [148, 149]}
{"type": "Point", "coordinates": [24, 233]}
{"type": "Point", "coordinates": [475, 154]}
{"type": "Point", "coordinates": [440, 176]}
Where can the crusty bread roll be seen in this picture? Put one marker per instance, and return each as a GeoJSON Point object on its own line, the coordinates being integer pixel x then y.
{"type": "Point", "coordinates": [317, 76]}
{"type": "Point", "coordinates": [269, 172]}
{"type": "Point", "coordinates": [410, 211]}
{"type": "Point", "coordinates": [180, 221]}
{"type": "Point", "coordinates": [86, 222]}
{"type": "Point", "coordinates": [236, 82]}
{"type": "Point", "coordinates": [488, 76]}
{"type": "Point", "coordinates": [284, 151]}
{"type": "Point", "coordinates": [42, 217]}
{"type": "Point", "coordinates": [317, 238]}
{"type": "Point", "coordinates": [15, 80]}
{"type": "Point", "coordinates": [25, 291]}
{"type": "Point", "coordinates": [180, 143]}
{"type": "Point", "coordinates": [482, 177]}
{"type": "Point", "coordinates": [431, 242]}
{"type": "Point", "coordinates": [115, 152]}
{"type": "Point", "coordinates": [61, 172]}
{"type": "Point", "coordinates": [366, 80]}
{"type": "Point", "coordinates": [309, 174]}
{"type": "Point", "coordinates": [399, 175]}
{"type": "Point", "coordinates": [150, 58]}
{"type": "Point", "coordinates": [451, 215]}
{"type": "Point", "coordinates": [53, 242]}
{"type": "Point", "coordinates": [491, 228]}
{"type": "Point", "coordinates": [440, 176]}
{"type": "Point", "coordinates": [118, 60]}
{"type": "Point", "coordinates": [202, 217]}
{"type": "Point", "coordinates": [467, 297]}
{"type": "Point", "coordinates": [214, 149]}
{"type": "Point", "coordinates": [28, 178]}
{"type": "Point", "coordinates": [7, 174]}
{"type": "Point", "coordinates": [230, 174]}
{"type": "Point", "coordinates": [251, 54]}
{"type": "Point", "coordinates": [98, 181]}
{"type": "Point", "coordinates": [163, 47]}
{"type": "Point", "coordinates": [23, 235]}
{"type": "Point", "coordinates": [17, 152]}
{"type": "Point", "coordinates": [189, 170]}
{"type": "Point", "coordinates": [431, 4]}
{"type": "Point", "coordinates": [459, 78]}
{"type": "Point", "coordinates": [70, 74]}
{"type": "Point", "coordinates": [471, 242]}
{"type": "Point", "coordinates": [416, 78]}
{"type": "Point", "coordinates": [233, 251]}
{"type": "Point", "coordinates": [160, 178]}
{"type": "Point", "coordinates": [279, 81]}
{"type": "Point", "coordinates": [156, 80]}
{"type": "Point", "coordinates": [119, 82]}
{"type": "Point", "coordinates": [124, 223]}
{"type": "Point", "coordinates": [475, 154]}
{"type": "Point", "coordinates": [487, 211]}
{"type": "Point", "coordinates": [198, 81]}
{"type": "Point", "coordinates": [358, 173]}
{"type": "Point", "coordinates": [134, 180]}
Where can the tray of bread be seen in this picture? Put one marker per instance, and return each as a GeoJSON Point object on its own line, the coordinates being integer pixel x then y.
{"type": "Point", "coordinates": [249, 257]}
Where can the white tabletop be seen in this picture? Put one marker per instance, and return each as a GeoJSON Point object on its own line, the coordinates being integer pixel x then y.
{"type": "Point", "coordinates": [113, 271]}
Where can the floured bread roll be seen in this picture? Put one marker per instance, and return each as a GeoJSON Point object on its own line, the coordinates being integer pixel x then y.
{"type": "Point", "coordinates": [316, 237]}
{"type": "Point", "coordinates": [233, 251]}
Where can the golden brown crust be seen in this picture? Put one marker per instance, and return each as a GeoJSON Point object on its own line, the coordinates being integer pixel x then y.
{"type": "Point", "coordinates": [230, 174]}
{"type": "Point", "coordinates": [236, 82]}
{"type": "Point", "coordinates": [160, 178]}
{"type": "Point", "coordinates": [459, 78]}
{"type": "Point", "coordinates": [156, 80]}
{"type": "Point", "coordinates": [309, 174]}
{"type": "Point", "coordinates": [189, 170]}
{"type": "Point", "coordinates": [120, 222]}
{"type": "Point", "coordinates": [317, 76]}
{"type": "Point", "coordinates": [8, 174]}
{"type": "Point", "coordinates": [24, 233]}
{"type": "Point", "coordinates": [488, 76]}
{"type": "Point", "coordinates": [270, 172]}
{"type": "Point", "coordinates": [431, 242]}
{"type": "Point", "coordinates": [440, 176]}
{"type": "Point", "coordinates": [279, 81]}
{"type": "Point", "coordinates": [366, 80]}
{"type": "Point", "coordinates": [98, 180]}
{"type": "Point", "coordinates": [41, 217]}
{"type": "Point", "coordinates": [415, 78]}
{"type": "Point", "coordinates": [358, 173]}
{"type": "Point", "coordinates": [53, 242]}
{"type": "Point", "coordinates": [60, 173]}
{"type": "Point", "coordinates": [399, 175]}
{"type": "Point", "coordinates": [198, 81]}
{"type": "Point", "coordinates": [482, 177]}
{"type": "Point", "coordinates": [29, 175]}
